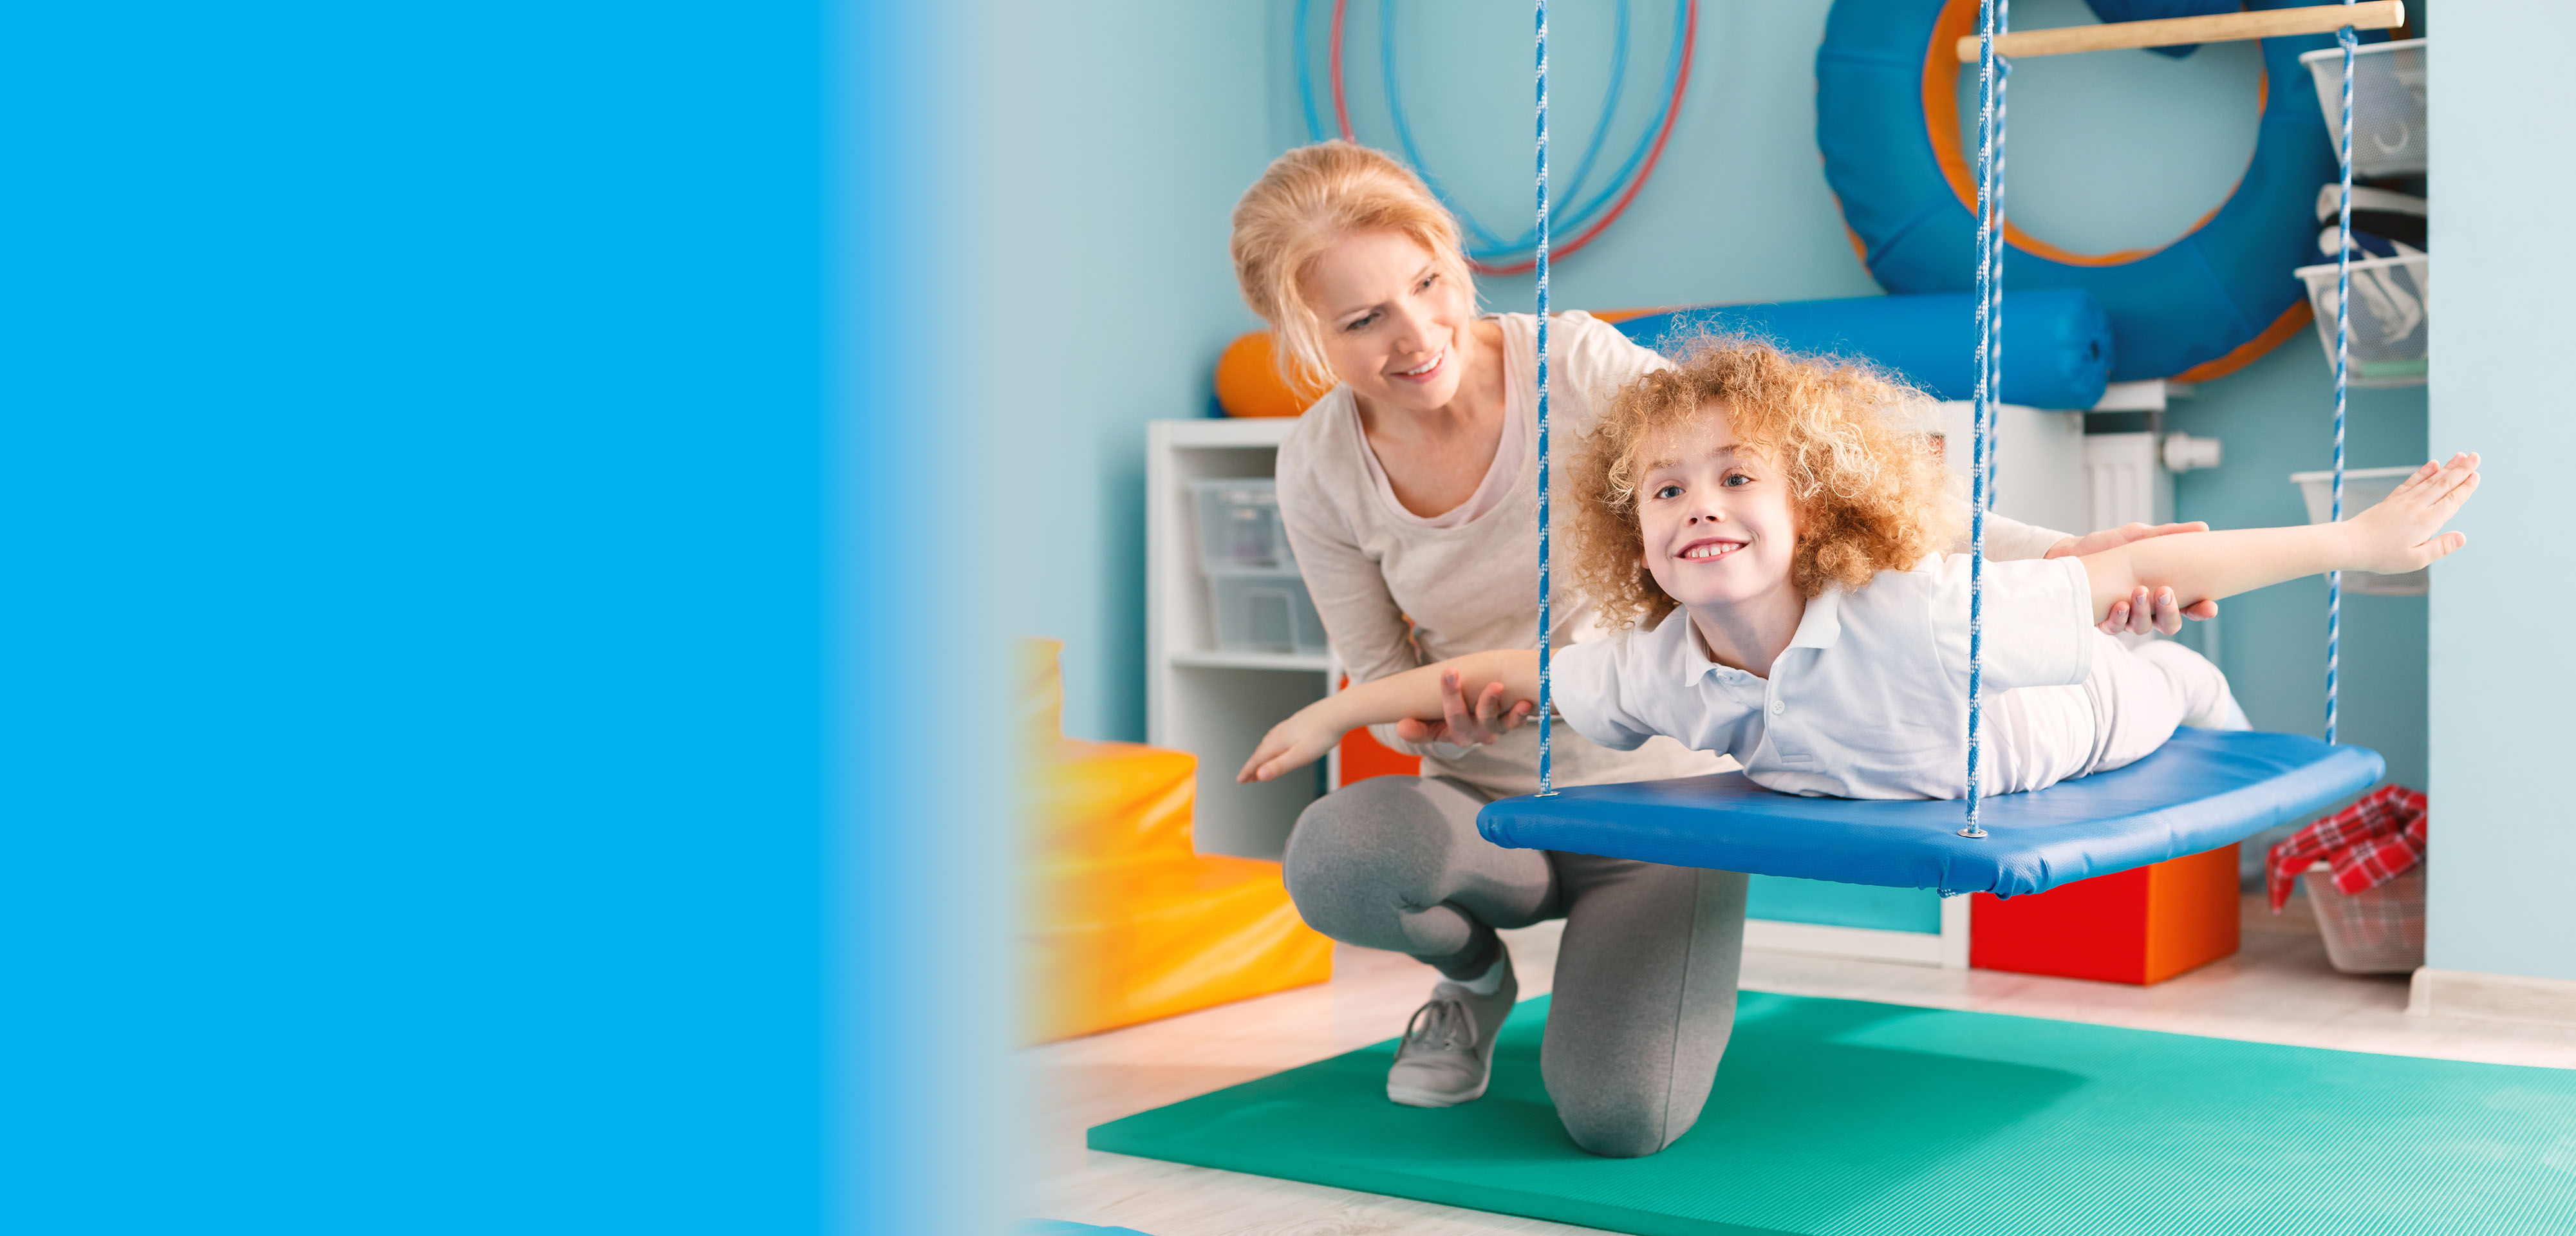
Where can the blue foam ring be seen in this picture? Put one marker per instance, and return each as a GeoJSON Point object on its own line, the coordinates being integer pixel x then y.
{"type": "Point", "coordinates": [2199, 307]}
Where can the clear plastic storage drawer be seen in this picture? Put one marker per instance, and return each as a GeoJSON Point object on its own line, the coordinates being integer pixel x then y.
{"type": "Point", "coordinates": [1264, 611]}
{"type": "Point", "coordinates": [1239, 527]}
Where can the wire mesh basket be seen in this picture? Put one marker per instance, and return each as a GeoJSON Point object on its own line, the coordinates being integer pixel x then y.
{"type": "Point", "coordinates": [2387, 104]}
{"type": "Point", "coordinates": [2392, 311]}
{"type": "Point", "coordinates": [2375, 931]}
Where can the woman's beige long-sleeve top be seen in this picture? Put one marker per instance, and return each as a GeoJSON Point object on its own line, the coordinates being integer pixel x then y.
{"type": "Point", "coordinates": [1371, 565]}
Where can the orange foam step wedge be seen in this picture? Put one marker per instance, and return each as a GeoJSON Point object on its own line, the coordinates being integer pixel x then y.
{"type": "Point", "coordinates": [1098, 801]}
{"type": "Point", "coordinates": [1116, 943]}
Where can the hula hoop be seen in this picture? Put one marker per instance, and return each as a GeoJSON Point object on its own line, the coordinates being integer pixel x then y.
{"type": "Point", "coordinates": [1644, 162]}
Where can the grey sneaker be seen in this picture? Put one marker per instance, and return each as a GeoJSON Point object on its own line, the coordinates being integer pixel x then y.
{"type": "Point", "coordinates": [1448, 1051]}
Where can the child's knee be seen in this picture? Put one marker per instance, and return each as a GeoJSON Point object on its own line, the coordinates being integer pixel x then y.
{"type": "Point", "coordinates": [2207, 700]}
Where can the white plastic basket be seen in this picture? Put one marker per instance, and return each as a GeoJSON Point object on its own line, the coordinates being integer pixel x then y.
{"type": "Point", "coordinates": [2392, 315]}
{"type": "Point", "coordinates": [2387, 104]}
{"type": "Point", "coordinates": [2375, 931]}
{"type": "Point", "coordinates": [2363, 488]}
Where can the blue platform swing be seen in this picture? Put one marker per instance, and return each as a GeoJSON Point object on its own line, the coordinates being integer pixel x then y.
{"type": "Point", "coordinates": [2203, 789]}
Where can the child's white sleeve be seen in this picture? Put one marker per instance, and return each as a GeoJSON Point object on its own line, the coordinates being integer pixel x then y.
{"type": "Point", "coordinates": [1586, 681]}
{"type": "Point", "coordinates": [2038, 620]}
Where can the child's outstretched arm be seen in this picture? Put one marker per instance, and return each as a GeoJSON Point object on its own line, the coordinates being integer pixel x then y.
{"type": "Point", "coordinates": [2402, 533]}
{"type": "Point", "coordinates": [1496, 680]}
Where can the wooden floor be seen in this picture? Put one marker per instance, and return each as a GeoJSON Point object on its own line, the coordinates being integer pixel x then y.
{"type": "Point", "coordinates": [2277, 989]}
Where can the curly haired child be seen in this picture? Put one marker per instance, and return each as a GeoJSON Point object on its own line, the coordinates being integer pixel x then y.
{"type": "Point", "coordinates": [1765, 530]}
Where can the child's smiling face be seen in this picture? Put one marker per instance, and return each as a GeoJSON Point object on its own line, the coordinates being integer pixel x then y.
{"type": "Point", "coordinates": [1718, 522]}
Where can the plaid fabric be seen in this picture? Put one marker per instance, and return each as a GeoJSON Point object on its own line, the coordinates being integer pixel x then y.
{"type": "Point", "coordinates": [2366, 844]}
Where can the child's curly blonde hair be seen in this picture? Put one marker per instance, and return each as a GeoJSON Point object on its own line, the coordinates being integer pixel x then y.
{"type": "Point", "coordinates": [1869, 488]}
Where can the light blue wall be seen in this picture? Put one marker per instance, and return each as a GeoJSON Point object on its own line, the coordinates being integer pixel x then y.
{"type": "Point", "coordinates": [1110, 151]}
{"type": "Point", "coordinates": [2501, 675]}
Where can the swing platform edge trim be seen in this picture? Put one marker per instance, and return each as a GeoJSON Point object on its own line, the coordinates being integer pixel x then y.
{"type": "Point", "coordinates": [2203, 789]}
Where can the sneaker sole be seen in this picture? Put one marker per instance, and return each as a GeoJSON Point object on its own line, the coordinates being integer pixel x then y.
{"type": "Point", "coordinates": [1411, 1097]}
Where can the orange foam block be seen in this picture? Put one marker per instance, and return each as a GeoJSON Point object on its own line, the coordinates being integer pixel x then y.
{"type": "Point", "coordinates": [1364, 757]}
{"type": "Point", "coordinates": [1125, 923]}
{"type": "Point", "coordinates": [2144, 925]}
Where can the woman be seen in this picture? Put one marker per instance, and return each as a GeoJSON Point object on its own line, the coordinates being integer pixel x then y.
{"type": "Point", "coordinates": [1409, 491]}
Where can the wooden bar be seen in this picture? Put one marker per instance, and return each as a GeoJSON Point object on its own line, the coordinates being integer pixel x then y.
{"type": "Point", "coordinates": [2216, 28]}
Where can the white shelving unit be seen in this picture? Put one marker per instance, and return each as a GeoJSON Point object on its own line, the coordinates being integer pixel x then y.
{"type": "Point", "coordinates": [1215, 704]}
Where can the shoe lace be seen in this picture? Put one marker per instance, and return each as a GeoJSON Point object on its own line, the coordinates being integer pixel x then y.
{"type": "Point", "coordinates": [1443, 1024]}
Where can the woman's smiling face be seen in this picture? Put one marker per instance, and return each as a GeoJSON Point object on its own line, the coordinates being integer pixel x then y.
{"type": "Point", "coordinates": [1719, 524]}
{"type": "Point", "coordinates": [1394, 326]}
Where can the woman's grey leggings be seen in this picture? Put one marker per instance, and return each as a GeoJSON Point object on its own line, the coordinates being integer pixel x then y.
{"type": "Point", "coordinates": [1645, 977]}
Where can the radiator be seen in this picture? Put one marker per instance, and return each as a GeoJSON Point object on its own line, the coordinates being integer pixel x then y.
{"type": "Point", "coordinates": [2125, 481]}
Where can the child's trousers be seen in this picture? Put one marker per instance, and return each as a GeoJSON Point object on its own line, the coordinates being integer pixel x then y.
{"type": "Point", "coordinates": [2125, 709]}
{"type": "Point", "coordinates": [1644, 995]}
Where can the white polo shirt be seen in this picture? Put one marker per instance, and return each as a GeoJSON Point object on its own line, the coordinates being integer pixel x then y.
{"type": "Point", "coordinates": [1870, 700]}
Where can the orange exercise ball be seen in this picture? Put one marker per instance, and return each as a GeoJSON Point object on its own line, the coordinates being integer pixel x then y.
{"type": "Point", "coordinates": [1248, 381]}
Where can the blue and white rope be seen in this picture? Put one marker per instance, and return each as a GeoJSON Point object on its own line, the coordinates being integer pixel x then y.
{"type": "Point", "coordinates": [1546, 767]}
{"type": "Point", "coordinates": [2343, 325]}
{"type": "Point", "coordinates": [1993, 20]}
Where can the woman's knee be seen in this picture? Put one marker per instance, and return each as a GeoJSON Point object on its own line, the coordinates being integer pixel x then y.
{"type": "Point", "coordinates": [1346, 834]}
{"type": "Point", "coordinates": [1623, 1126]}
{"type": "Point", "coordinates": [1360, 852]}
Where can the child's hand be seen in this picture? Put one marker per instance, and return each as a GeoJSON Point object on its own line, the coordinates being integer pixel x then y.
{"type": "Point", "coordinates": [1290, 745]}
{"type": "Point", "coordinates": [1462, 725]}
{"type": "Point", "coordinates": [2404, 532]}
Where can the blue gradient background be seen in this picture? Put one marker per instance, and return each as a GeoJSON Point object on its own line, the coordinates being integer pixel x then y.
{"type": "Point", "coordinates": [428, 585]}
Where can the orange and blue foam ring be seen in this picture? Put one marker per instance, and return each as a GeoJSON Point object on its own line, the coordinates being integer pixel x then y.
{"type": "Point", "coordinates": [2197, 308]}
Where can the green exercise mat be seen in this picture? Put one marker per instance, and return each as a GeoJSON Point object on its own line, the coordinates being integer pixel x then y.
{"type": "Point", "coordinates": [1835, 1117]}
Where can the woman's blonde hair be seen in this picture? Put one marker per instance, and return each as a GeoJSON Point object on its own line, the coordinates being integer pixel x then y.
{"type": "Point", "coordinates": [1306, 203]}
{"type": "Point", "coordinates": [1868, 487]}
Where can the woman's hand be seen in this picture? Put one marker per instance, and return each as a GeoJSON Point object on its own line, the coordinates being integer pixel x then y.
{"type": "Point", "coordinates": [2404, 531]}
{"type": "Point", "coordinates": [2142, 612]}
{"type": "Point", "coordinates": [1292, 744]}
{"type": "Point", "coordinates": [1462, 725]}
